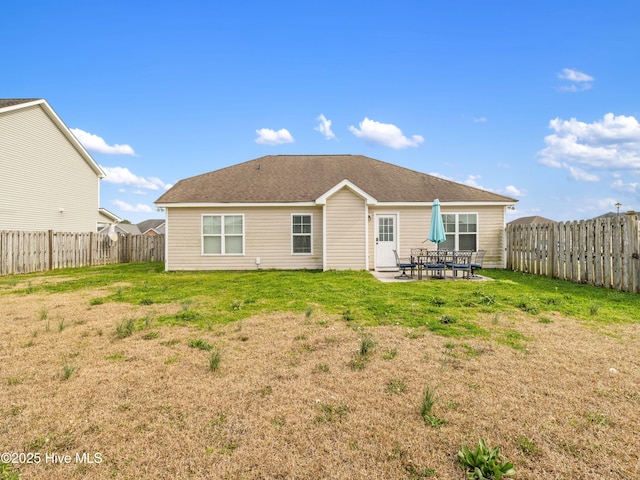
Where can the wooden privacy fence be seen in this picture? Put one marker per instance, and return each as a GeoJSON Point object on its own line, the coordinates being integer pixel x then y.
{"type": "Point", "coordinates": [26, 252]}
{"type": "Point", "coordinates": [603, 252]}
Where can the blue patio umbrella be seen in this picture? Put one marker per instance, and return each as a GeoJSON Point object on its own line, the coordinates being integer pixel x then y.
{"type": "Point", "coordinates": [436, 232]}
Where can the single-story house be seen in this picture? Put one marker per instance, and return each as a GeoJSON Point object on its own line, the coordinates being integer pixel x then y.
{"type": "Point", "coordinates": [532, 220]}
{"type": "Point", "coordinates": [106, 218]}
{"type": "Point", "coordinates": [150, 227]}
{"type": "Point", "coordinates": [153, 226]}
{"type": "Point", "coordinates": [48, 181]}
{"type": "Point", "coordinates": [322, 212]}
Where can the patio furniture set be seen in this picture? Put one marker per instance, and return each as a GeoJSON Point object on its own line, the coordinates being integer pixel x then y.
{"type": "Point", "coordinates": [436, 263]}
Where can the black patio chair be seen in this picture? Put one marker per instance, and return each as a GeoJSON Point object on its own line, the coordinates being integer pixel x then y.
{"type": "Point", "coordinates": [403, 266]}
{"type": "Point", "coordinates": [436, 261]}
{"type": "Point", "coordinates": [461, 263]}
{"type": "Point", "coordinates": [476, 261]}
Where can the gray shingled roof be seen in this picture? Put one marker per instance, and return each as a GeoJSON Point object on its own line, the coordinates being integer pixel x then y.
{"type": "Point", "coordinates": [10, 102]}
{"type": "Point", "coordinates": [304, 178]}
{"type": "Point", "coordinates": [150, 224]}
{"type": "Point", "coordinates": [530, 220]}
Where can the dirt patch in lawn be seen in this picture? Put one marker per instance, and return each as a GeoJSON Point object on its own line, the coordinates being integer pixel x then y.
{"type": "Point", "coordinates": [293, 398]}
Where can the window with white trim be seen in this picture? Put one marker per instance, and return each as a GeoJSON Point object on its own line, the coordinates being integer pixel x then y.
{"type": "Point", "coordinates": [301, 234]}
{"type": "Point", "coordinates": [223, 234]}
{"type": "Point", "coordinates": [461, 230]}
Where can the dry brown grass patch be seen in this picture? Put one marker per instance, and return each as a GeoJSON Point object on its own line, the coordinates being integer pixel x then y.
{"type": "Point", "coordinates": [154, 409]}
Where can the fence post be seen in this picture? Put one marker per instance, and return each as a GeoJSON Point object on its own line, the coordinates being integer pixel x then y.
{"type": "Point", "coordinates": [50, 249]}
{"type": "Point", "coordinates": [90, 249]}
{"type": "Point", "coordinates": [551, 248]}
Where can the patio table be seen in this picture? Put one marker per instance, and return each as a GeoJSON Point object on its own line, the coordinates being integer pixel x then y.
{"type": "Point", "coordinates": [440, 261]}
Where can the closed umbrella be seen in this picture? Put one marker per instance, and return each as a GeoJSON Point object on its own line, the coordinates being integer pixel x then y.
{"type": "Point", "coordinates": [436, 232]}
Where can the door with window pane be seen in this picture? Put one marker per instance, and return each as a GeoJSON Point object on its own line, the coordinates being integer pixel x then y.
{"type": "Point", "coordinates": [386, 240]}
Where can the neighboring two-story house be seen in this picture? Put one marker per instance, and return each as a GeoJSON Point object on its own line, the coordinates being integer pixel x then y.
{"type": "Point", "coordinates": [48, 181]}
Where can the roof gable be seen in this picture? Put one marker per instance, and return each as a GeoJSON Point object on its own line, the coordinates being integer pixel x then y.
{"type": "Point", "coordinates": [322, 200]}
{"type": "Point", "coordinates": [10, 104]}
{"type": "Point", "coordinates": [308, 178]}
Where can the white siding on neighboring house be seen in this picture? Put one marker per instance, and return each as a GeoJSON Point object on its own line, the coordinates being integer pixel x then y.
{"type": "Point", "coordinates": [267, 236]}
{"type": "Point", "coordinates": [45, 184]}
{"type": "Point", "coordinates": [346, 231]}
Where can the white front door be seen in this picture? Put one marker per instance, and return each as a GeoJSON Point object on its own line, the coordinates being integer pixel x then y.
{"type": "Point", "coordinates": [386, 240]}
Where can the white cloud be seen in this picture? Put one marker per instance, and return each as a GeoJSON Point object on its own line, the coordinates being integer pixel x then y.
{"type": "Point", "coordinates": [621, 186]}
{"type": "Point", "coordinates": [512, 191]}
{"type": "Point", "coordinates": [384, 134]}
{"type": "Point", "coordinates": [127, 207]}
{"type": "Point", "coordinates": [266, 136]}
{"type": "Point", "coordinates": [324, 127]}
{"type": "Point", "coordinates": [480, 120]}
{"type": "Point", "coordinates": [574, 75]}
{"type": "Point", "coordinates": [472, 181]}
{"type": "Point", "coordinates": [582, 175]}
{"type": "Point", "coordinates": [579, 81]}
{"type": "Point", "coordinates": [94, 143]}
{"type": "Point", "coordinates": [610, 143]}
{"type": "Point", "coordinates": [123, 176]}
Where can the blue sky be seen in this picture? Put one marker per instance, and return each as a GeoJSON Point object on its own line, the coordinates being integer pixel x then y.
{"type": "Point", "coordinates": [535, 100]}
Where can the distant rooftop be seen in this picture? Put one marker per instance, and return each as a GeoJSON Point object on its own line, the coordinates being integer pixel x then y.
{"type": "Point", "coordinates": [531, 220]}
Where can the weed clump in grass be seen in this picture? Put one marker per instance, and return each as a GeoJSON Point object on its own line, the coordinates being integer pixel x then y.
{"type": "Point", "coordinates": [200, 344]}
{"type": "Point", "coordinates": [390, 354]}
{"type": "Point", "coordinates": [67, 371]}
{"type": "Point", "coordinates": [125, 328]}
{"type": "Point", "coordinates": [214, 359]}
{"type": "Point", "coordinates": [484, 463]}
{"type": "Point", "coordinates": [426, 407]}
{"type": "Point", "coordinates": [447, 320]}
{"type": "Point", "coordinates": [7, 473]}
{"type": "Point", "coordinates": [527, 446]}
{"type": "Point", "coordinates": [322, 367]}
{"type": "Point", "coordinates": [527, 305]}
{"type": "Point", "coordinates": [366, 346]}
{"type": "Point", "coordinates": [438, 302]}
{"type": "Point", "coordinates": [331, 413]}
{"type": "Point", "coordinates": [396, 385]}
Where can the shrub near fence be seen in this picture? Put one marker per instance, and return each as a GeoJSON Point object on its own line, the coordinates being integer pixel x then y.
{"type": "Point", "coordinates": [26, 252]}
{"type": "Point", "coordinates": [603, 251]}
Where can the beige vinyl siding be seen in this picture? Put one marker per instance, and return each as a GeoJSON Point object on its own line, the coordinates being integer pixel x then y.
{"type": "Point", "coordinates": [346, 231]}
{"type": "Point", "coordinates": [267, 235]}
{"type": "Point", "coordinates": [414, 223]}
{"type": "Point", "coordinates": [42, 173]}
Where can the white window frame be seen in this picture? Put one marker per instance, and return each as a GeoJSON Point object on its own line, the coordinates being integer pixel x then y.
{"type": "Point", "coordinates": [457, 233]}
{"type": "Point", "coordinates": [310, 235]}
{"type": "Point", "coordinates": [222, 234]}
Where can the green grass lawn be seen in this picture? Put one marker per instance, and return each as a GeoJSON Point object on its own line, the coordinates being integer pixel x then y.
{"type": "Point", "coordinates": [448, 308]}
